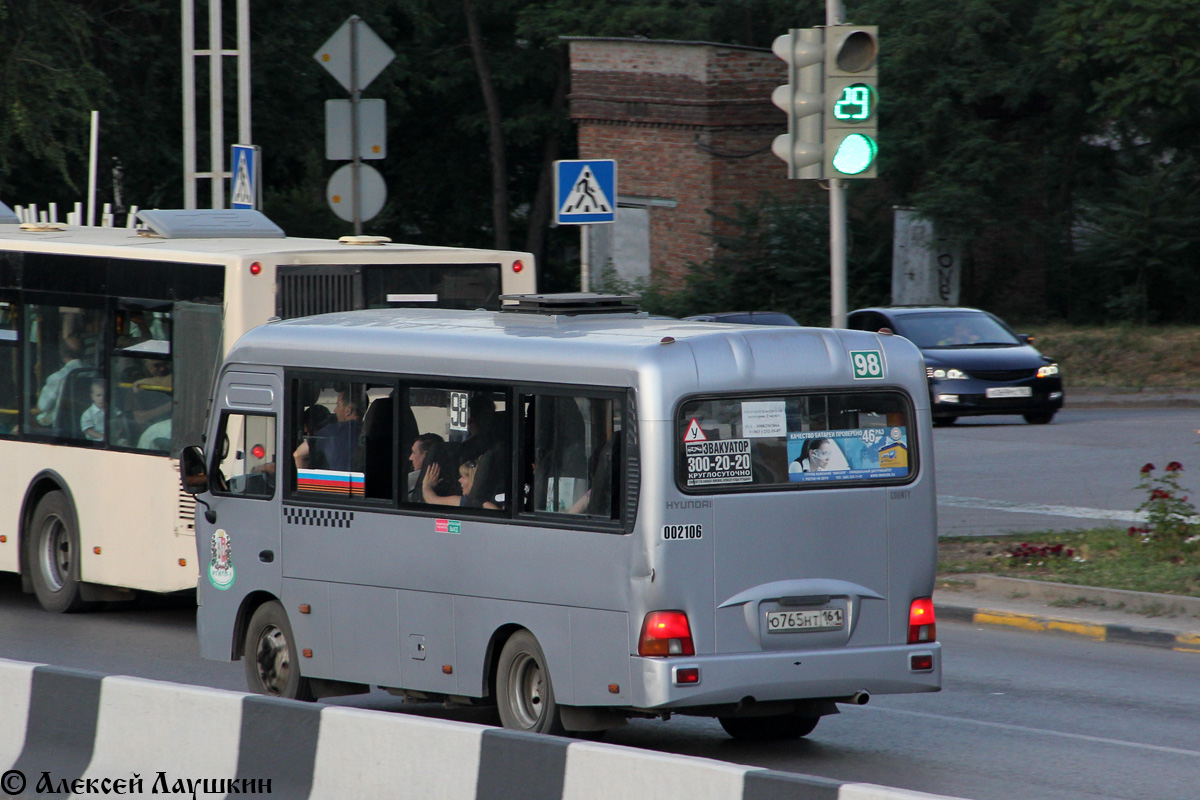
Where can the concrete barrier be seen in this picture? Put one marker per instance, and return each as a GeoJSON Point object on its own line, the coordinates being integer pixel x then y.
{"type": "Point", "coordinates": [67, 731]}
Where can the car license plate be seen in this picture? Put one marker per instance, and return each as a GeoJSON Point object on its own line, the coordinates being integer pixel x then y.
{"type": "Point", "coordinates": [824, 619]}
{"type": "Point", "coordinates": [1010, 391]}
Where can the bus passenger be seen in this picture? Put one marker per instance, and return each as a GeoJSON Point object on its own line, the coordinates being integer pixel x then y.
{"type": "Point", "coordinates": [466, 480]}
{"type": "Point", "coordinates": [417, 457]}
{"type": "Point", "coordinates": [485, 446]}
{"type": "Point", "coordinates": [69, 351]}
{"type": "Point", "coordinates": [152, 394]}
{"type": "Point", "coordinates": [335, 447]}
{"type": "Point", "coordinates": [91, 422]}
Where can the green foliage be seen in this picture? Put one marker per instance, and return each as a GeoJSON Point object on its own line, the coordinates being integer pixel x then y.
{"type": "Point", "coordinates": [1055, 140]}
{"type": "Point", "coordinates": [1138, 243]}
{"type": "Point", "coordinates": [48, 85]}
{"type": "Point", "coordinates": [771, 256]}
{"type": "Point", "coordinates": [1142, 61]}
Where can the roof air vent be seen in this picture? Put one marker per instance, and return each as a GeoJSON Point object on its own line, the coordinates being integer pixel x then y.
{"type": "Point", "coordinates": [570, 303]}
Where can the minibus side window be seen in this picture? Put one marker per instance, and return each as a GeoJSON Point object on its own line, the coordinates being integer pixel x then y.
{"type": "Point", "coordinates": [571, 455]}
{"type": "Point", "coordinates": [344, 440]}
{"type": "Point", "coordinates": [794, 441]}
{"type": "Point", "coordinates": [245, 459]}
{"type": "Point", "coordinates": [460, 451]}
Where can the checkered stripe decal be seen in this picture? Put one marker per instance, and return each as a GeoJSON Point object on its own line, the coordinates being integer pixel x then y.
{"type": "Point", "coordinates": [318, 517]}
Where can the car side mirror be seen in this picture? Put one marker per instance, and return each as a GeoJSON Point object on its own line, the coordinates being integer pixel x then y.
{"type": "Point", "coordinates": [193, 472]}
{"type": "Point", "coordinates": [1025, 337]}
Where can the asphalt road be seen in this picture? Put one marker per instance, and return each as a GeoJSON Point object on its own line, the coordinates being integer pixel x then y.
{"type": "Point", "coordinates": [1021, 716]}
{"type": "Point", "coordinates": [999, 474]}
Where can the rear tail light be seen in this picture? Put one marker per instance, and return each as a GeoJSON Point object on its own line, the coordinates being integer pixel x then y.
{"type": "Point", "coordinates": [666, 633]}
{"type": "Point", "coordinates": [922, 626]}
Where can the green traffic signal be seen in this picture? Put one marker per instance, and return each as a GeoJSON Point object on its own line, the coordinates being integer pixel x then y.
{"type": "Point", "coordinates": [855, 154]}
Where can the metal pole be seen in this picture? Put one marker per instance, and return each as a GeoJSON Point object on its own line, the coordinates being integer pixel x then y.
{"type": "Point", "coordinates": [189, 103]}
{"type": "Point", "coordinates": [216, 111]}
{"type": "Point", "coordinates": [837, 218]}
{"type": "Point", "coordinates": [585, 278]}
{"type": "Point", "coordinates": [95, 142]}
{"type": "Point", "coordinates": [355, 162]}
{"type": "Point", "coordinates": [243, 69]}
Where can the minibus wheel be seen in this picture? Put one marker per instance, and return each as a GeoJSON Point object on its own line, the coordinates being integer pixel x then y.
{"type": "Point", "coordinates": [524, 692]}
{"type": "Point", "coordinates": [270, 655]}
{"type": "Point", "coordinates": [779, 726]}
{"type": "Point", "coordinates": [53, 555]}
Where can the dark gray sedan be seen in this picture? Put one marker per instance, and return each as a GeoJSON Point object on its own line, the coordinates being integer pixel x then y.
{"type": "Point", "coordinates": [975, 363]}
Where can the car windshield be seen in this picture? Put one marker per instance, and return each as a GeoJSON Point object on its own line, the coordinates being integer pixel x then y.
{"type": "Point", "coordinates": [954, 329]}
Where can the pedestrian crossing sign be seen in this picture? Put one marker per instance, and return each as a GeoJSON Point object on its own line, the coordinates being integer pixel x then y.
{"type": "Point", "coordinates": [244, 192]}
{"type": "Point", "coordinates": [585, 191]}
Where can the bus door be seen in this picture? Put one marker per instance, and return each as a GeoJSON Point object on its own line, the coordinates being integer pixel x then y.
{"type": "Point", "coordinates": [342, 553]}
{"type": "Point", "coordinates": [240, 551]}
{"type": "Point", "coordinates": [800, 514]}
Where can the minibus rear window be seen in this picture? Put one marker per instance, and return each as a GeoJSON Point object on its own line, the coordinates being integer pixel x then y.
{"type": "Point", "coordinates": [794, 441]}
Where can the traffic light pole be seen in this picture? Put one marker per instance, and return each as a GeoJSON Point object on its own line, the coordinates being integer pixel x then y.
{"type": "Point", "coordinates": [837, 217]}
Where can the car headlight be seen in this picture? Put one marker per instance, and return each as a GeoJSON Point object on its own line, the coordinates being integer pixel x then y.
{"type": "Point", "coordinates": [1047, 371]}
{"type": "Point", "coordinates": [945, 374]}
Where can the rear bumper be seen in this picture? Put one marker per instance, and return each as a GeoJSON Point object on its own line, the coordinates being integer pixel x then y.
{"type": "Point", "coordinates": [790, 675]}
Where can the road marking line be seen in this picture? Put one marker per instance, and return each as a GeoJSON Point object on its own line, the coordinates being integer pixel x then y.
{"type": "Point", "coordinates": [1079, 512]}
{"type": "Point", "coordinates": [1025, 729]}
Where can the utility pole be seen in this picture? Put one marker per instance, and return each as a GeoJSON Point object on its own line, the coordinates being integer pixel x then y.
{"type": "Point", "coordinates": [837, 217]}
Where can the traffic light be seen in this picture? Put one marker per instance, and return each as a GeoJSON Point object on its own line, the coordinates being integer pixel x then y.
{"type": "Point", "coordinates": [803, 50]}
{"type": "Point", "coordinates": [851, 97]}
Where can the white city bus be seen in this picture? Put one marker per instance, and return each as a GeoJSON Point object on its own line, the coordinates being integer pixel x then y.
{"type": "Point", "coordinates": [572, 511]}
{"type": "Point", "coordinates": [109, 339]}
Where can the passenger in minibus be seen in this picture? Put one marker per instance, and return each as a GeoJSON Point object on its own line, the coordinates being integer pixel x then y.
{"type": "Point", "coordinates": [466, 480]}
{"type": "Point", "coordinates": [485, 446]}
{"type": "Point", "coordinates": [337, 443]}
{"type": "Point", "coordinates": [442, 459]}
{"type": "Point", "coordinates": [418, 457]}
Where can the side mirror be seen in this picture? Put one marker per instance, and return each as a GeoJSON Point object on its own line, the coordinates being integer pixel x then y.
{"type": "Point", "coordinates": [193, 472]}
{"type": "Point", "coordinates": [1025, 337]}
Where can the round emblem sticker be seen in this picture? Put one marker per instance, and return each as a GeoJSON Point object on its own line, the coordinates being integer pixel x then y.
{"type": "Point", "coordinates": [220, 566]}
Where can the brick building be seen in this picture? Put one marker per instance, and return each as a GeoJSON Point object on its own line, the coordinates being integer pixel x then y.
{"type": "Point", "coordinates": [690, 125]}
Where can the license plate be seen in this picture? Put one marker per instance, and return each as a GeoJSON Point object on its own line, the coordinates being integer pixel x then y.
{"type": "Point", "coordinates": [1010, 391]}
{"type": "Point", "coordinates": [825, 619]}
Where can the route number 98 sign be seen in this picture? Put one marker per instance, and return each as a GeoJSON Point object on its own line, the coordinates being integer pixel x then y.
{"type": "Point", "coordinates": [867, 364]}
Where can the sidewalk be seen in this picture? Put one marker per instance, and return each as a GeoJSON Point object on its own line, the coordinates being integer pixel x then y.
{"type": "Point", "coordinates": [1104, 615]}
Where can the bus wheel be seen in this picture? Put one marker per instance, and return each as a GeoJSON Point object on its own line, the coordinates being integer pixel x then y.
{"type": "Point", "coordinates": [524, 693]}
{"type": "Point", "coordinates": [759, 729]}
{"type": "Point", "coordinates": [53, 555]}
{"type": "Point", "coordinates": [270, 655]}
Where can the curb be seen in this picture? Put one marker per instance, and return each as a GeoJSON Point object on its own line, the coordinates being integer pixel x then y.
{"type": "Point", "coordinates": [1117, 397]}
{"type": "Point", "coordinates": [65, 731]}
{"type": "Point", "coordinates": [1038, 623]}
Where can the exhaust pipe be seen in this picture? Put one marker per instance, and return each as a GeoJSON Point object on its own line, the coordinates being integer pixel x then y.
{"type": "Point", "coordinates": [860, 698]}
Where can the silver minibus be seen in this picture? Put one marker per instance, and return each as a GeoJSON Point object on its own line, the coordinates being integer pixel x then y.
{"type": "Point", "coordinates": [572, 511]}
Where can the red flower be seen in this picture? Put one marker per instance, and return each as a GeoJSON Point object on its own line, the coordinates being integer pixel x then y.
{"type": "Point", "coordinates": [1159, 494]}
{"type": "Point", "coordinates": [1147, 468]}
{"type": "Point", "coordinates": [1174, 466]}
